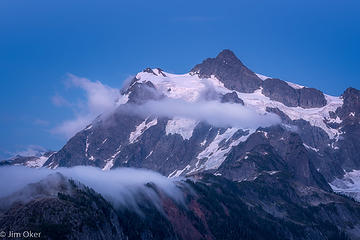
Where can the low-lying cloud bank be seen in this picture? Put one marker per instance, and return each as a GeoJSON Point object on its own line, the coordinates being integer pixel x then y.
{"type": "Point", "coordinates": [121, 187]}
{"type": "Point", "coordinates": [213, 112]}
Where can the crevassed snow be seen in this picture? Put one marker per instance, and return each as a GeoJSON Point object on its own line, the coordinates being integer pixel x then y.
{"type": "Point", "coordinates": [175, 86]}
{"type": "Point", "coordinates": [216, 155]}
{"type": "Point", "coordinates": [349, 185]}
{"type": "Point", "coordinates": [181, 86]}
{"type": "Point", "coordinates": [181, 126]}
{"type": "Point", "coordinates": [332, 120]}
{"type": "Point", "coordinates": [315, 116]}
{"type": "Point", "coordinates": [140, 129]}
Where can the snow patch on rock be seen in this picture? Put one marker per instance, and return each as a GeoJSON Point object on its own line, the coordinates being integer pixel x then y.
{"type": "Point", "coordinates": [140, 129]}
{"type": "Point", "coordinates": [37, 163]}
{"type": "Point", "coordinates": [214, 154]}
{"type": "Point", "coordinates": [262, 77]}
{"type": "Point", "coordinates": [177, 173]}
{"type": "Point", "coordinates": [109, 164]}
{"type": "Point", "coordinates": [294, 85]}
{"type": "Point", "coordinates": [311, 148]}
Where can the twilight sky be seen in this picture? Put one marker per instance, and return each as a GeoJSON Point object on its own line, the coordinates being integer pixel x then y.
{"type": "Point", "coordinates": [47, 46]}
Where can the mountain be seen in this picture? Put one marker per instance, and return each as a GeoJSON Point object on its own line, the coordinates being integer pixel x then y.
{"type": "Point", "coordinates": [258, 153]}
{"type": "Point", "coordinates": [317, 139]}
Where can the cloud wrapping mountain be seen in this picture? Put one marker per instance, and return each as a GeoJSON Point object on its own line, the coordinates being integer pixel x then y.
{"type": "Point", "coordinates": [122, 186]}
{"type": "Point", "coordinates": [213, 112]}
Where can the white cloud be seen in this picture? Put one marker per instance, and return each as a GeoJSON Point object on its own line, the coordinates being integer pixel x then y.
{"type": "Point", "coordinates": [121, 186]}
{"type": "Point", "coordinates": [69, 127]}
{"type": "Point", "coordinates": [59, 101]}
{"type": "Point", "coordinates": [213, 112]}
{"type": "Point", "coordinates": [100, 99]}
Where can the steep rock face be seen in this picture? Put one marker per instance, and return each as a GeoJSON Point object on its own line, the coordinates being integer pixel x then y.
{"type": "Point", "coordinates": [231, 98]}
{"type": "Point", "coordinates": [311, 98]}
{"type": "Point", "coordinates": [300, 162]}
{"type": "Point", "coordinates": [97, 142]}
{"type": "Point", "coordinates": [351, 98]}
{"type": "Point", "coordinates": [272, 150]}
{"type": "Point", "coordinates": [247, 161]}
{"type": "Point", "coordinates": [229, 70]}
{"type": "Point", "coordinates": [291, 210]}
{"type": "Point", "coordinates": [279, 90]}
{"type": "Point", "coordinates": [319, 146]}
{"type": "Point", "coordinates": [159, 151]}
{"type": "Point", "coordinates": [348, 145]}
{"type": "Point", "coordinates": [141, 92]}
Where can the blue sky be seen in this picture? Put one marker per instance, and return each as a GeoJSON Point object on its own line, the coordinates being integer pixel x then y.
{"type": "Point", "coordinates": [313, 43]}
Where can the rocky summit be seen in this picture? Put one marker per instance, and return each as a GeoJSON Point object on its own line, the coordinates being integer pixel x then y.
{"type": "Point", "coordinates": [258, 158]}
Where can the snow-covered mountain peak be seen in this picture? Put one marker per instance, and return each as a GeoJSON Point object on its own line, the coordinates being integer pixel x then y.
{"type": "Point", "coordinates": [192, 87]}
{"type": "Point", "coordinates": [188, 87]}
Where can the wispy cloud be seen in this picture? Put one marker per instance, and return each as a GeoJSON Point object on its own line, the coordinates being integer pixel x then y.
{"type": "Point", "coordinates": [99, 98]}
{"type": "Point", "coordinates": [59, 101]}
{"type": "Point", "coordinates": [41, 122]}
